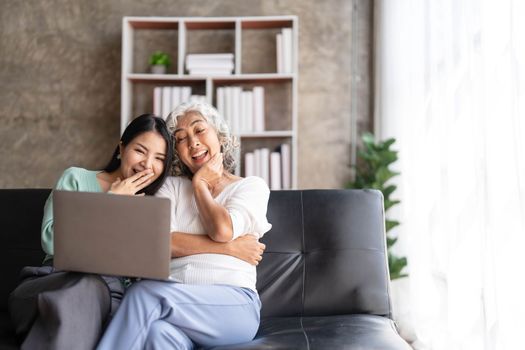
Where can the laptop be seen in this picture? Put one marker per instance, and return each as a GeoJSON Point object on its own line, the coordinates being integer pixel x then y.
{"type": "Point", "coordinates": [112, 234]}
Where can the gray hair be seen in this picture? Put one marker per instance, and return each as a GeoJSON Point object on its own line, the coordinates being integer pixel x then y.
{"type": "Point", "coordinates": [229, 144]}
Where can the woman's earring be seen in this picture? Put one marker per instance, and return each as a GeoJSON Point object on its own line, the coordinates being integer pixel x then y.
{"type": "Point", "coordinates": [118, 156]}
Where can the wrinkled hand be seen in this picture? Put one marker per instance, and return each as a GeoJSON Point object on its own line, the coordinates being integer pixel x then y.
{"type": "Point", "coordinates": [132, 184]}
{"type": "Point", "coordinates": [211, 172]}
{"type": "Point", "coordinates": [248, 248]}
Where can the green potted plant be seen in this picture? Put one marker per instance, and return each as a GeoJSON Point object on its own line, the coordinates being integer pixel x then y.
{"type": "Point", "coordinates": [373, 171]}
{"type": "Point", "coordinates": [159, 62]}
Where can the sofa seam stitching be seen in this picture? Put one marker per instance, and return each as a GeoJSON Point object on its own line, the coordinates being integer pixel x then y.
{"type": "Point", "coordinates": [305, 335]}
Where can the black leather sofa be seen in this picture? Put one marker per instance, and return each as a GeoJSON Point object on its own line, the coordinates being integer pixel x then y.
{"type": "Point", "coordinates": [323, 281]}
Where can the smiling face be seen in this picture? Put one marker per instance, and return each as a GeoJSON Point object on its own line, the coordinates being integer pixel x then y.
{"type": "Point", "coordinates": [146, 151]}
{"type": "Point", "coordinates": [196, 141]}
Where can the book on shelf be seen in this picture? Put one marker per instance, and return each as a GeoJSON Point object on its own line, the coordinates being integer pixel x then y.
{"type": "Point", "coordinates": [236, 113]}
{"type": "Point", "coordinates": [275, 171]}
{"type": "Point", "coordinates": [246, 123]}
{"type": "Point", "coordinates": [249, 164]}
{"type": "Point", "coordinates": [220, 101]}
{"type": "Point", "coordinates": [175, 97]}
{"type": "Point", "coordinates": [185, 94]}
{"type": "Point", "coordinates": [157, 101]}
{"type": "Point", "coordinates": [273, 167]}
{"type": "Point", "coordinates": [166, 101]}
{"type": "Point", "coordinates": [243, 110]}
{"type": "Point", "coordinates": [264, 167]}
{"type": "Point", "coordinates": [286, 166]}
{"type": "Point", "coordinates": [210, 64]}
{"type": "Point", "coordinates": [258, 109]}
{"type": "Point", "coordinates": [166, 98]}
{"type": "Point", "coordinates": [284, 51]}
{"type": "Point", "coordinates": [228, 107]}
{"type": "Point", "coordinates": [209, 56]}
{"type": "Point", "coordinates": [237, 155]}
{"type": "Point", "coordinates": [279, 52]}
{"type": "Point", "coordinates": [257, 162]}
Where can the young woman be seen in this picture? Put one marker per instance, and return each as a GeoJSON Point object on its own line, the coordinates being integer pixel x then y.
{"type": "Point", "coordinates": [212, 299]}
{"type": "Point", "coordinates": [54, 309]}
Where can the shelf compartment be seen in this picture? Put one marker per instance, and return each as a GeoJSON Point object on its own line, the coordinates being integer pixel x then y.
{"type": "Point", "coordinates": [277, 101]}
{"type": "Point", "coordinates": [147, 41]}
{"type": "Point", "coordinates": [207, 41]}
{"type": "Point", "coordinates": [250, 145]}
{"type": "Point", "coordinates": [259, 50]}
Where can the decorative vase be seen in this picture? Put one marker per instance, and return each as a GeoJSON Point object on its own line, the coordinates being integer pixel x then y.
{"type": "Point", "coordinates": [158, 69]}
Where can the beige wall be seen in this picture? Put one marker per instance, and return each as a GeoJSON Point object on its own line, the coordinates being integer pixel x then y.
{"type": "Point", "coordinates": [60, 81]}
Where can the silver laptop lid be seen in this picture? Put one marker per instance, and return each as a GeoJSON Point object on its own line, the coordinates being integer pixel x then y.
{"type": "Point", "coordinates": [112, 234]}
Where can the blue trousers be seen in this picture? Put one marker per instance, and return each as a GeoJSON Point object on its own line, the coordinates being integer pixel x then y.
{"type": "Point", "coordinates": [166, 315]}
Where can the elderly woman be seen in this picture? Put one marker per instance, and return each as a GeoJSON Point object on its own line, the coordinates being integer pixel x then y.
{"type": "Point", "coordinates": [211, 299]}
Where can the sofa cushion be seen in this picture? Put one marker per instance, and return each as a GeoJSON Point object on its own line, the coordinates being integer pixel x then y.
{"type": "Point", "coordinates": [325, 254]}
{"type": "Point", "coordinates": [325, 332]}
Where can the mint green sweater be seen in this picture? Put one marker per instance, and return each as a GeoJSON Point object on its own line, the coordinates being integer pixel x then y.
{"type": "Point", "coordinates": [73, 179]}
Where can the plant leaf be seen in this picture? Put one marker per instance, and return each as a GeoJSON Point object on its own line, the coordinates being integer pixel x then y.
{"type": "Point", "coordinates": [387, 191]}
{"type": "Point", "coordinates": [390, 241]}
{"type": "Point", "coordinates": [389, 142]}
{"type": "Point", "coordinates": [390, 203]}
{"type": "Point", "coordinates": [368, 138]}
{"type": "Point", "coordinates": [396, 265]}
{"type": "Point", "coordinates": [383, 174]}
{"type": "Point", "coordinates": [390, 224]}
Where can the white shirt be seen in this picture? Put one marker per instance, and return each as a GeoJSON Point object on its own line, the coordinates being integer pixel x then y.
{"type": "Point", "coordinates": [246, 200]}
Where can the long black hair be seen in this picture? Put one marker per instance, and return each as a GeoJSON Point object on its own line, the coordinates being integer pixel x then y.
{"type": "Point", "coordinates": [139, 125]}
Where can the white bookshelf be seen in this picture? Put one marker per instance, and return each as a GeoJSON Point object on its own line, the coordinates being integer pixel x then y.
{"type": "Point", "coordinates": [183, 27]}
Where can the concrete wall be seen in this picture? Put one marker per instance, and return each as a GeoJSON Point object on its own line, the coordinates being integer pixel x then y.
{"type": "Point", "coordinates": [60, 81]}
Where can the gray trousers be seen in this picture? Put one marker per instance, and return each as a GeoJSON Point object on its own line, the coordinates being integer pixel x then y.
{"type": "Point", "coordinates": [53, 309]}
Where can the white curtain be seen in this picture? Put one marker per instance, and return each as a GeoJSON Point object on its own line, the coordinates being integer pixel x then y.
{"type": "Point", "coordinates": [450, 87]}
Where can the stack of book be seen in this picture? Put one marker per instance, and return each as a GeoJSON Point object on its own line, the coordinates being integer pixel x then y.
{"type": "Point", "coordinates": [242, 109]}
{"type": "Point", "coordinates": [284, 51]}
{"type": "Point", "coordinates": [210, 64]}
{"type": "Point", "coordinates": [273, 167]}
{"type": "Point", "coordinates": [166, 98]}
